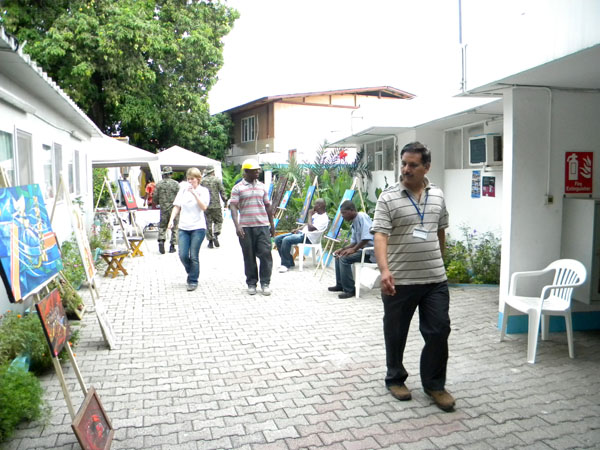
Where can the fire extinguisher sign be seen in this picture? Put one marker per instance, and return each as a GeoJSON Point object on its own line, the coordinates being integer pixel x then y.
{"type": "Point", "coordinates": [578, 172]}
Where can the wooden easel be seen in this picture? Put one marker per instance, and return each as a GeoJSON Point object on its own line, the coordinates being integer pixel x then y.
{"type": "Point", "coordinates": [114, 208]}
{"type": "Point", "coordinates": [59, 372]}
{"type": "Point", "coordinates": [331, 241]}
{"type": "Point", "coordinates": [86, 257]}
{"type": "Point", "coordinates": [81, 238]}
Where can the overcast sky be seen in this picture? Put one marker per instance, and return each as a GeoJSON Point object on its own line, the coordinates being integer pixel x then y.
{"type": "Point", "coordinates": [291, 46]}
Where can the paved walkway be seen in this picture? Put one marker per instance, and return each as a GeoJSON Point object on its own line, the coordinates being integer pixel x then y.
{"type": "Point", "coordinates": [218, 369]}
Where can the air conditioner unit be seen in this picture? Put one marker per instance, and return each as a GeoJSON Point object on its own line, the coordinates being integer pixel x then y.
{"type": "Point", "coordinates": [485, 149]}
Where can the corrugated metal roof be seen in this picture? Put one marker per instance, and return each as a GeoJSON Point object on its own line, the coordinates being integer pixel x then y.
{"type": "Point", "coordinates": [378, 91]}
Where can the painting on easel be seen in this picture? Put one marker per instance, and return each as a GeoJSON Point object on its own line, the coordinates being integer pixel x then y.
{"type": "Point", "coordinates": [29, 253]}
{"type": "Point", "coordinates": [92, 426]}
{"type": "Point", "coordinates": [306, 206]}
{"type": "Point", "coordinates": [336, 225]}
{"type": "Point", "coordinates": [54, 321]}
{"type": "Point", "coordinates": [128, 197]}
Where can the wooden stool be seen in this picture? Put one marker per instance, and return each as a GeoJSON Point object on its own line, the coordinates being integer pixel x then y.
{"type": "Point", "coordinates": [114, 259]}
{"type": "Point", "coordinates": [136, 243]}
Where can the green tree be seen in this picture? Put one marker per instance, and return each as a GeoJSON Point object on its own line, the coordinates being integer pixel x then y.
{"type": "Point", "coordinates": [138, 68]}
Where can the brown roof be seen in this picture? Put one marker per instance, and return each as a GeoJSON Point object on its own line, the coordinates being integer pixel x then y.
{"type": "Point", "coordinates": [378, 91]}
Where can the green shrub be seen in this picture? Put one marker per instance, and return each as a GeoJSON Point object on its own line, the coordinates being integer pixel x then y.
{"type": "Point", "coordinates": [23, 334]}
{"type": "Point", "coordinates": [98, 175]}
{"type": "Point", "coordinates": [73, 269]}
{"type": "Point", "coordinates": [20, 399]}
{"type": "Point", "coordinates": [475, 259]}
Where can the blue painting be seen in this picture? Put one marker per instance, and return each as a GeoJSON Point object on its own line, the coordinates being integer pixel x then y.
{"type": "Point", "coordinates": [336, 225]}
{"type": "Point", "coordinates": [285, 200]}
{"type": "Point", "coordinates": [29, 253]}
{"type": "Point", "coordinates": [307, 201]}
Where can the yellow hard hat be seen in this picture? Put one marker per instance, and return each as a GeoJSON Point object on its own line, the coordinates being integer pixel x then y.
{"type": "Point", "coordinates": [250, 164]}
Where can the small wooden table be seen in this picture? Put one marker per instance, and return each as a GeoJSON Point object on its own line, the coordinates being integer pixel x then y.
{"type": "Point", "coordinates": [136, 242]}
{"type": "Point", "coordinates": [114, 259]}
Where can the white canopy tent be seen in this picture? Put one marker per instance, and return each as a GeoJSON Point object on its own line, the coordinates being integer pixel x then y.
{"type": "Point", "coordinates": [107, 152]}
{"type": "Point", "coordinates": [110, 152]}
{"type": "Point", "coordinates": [181, 159]}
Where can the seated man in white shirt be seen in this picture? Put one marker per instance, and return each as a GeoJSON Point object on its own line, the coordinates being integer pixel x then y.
{"type": "Point", "coordinates": [316, 224]}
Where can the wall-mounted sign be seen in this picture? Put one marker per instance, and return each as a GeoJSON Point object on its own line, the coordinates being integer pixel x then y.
{"type": "Point", "coordinates": [578, 172]}
{"type": "Point", "coordinates": [489, 187]}
{"type": "Point", "coordinates": [476, 184]}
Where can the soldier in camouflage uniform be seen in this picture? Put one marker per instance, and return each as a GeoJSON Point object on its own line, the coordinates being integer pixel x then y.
{"type": "Point", "coordinates": [213, 214]}
{"type": "Point", "coordinates": [164, 195]}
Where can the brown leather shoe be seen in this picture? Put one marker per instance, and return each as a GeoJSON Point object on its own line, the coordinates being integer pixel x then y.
{"type": "Point", "coordinates": [442, 399]}
{"type": "Point", "coordinates": [400, 392]}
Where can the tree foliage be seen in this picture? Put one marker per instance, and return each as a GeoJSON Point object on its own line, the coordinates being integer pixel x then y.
{"type": "Point", "coordinates": [138, 68]}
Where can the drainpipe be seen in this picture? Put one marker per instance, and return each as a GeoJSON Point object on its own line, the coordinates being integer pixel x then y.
{"type": "Point", "coordinates": [463, 51]}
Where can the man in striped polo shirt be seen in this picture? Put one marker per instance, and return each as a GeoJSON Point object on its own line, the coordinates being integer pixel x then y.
{"type": "Point", "coordinates": [253, 219]}
{"type": "Point", "coordinates": [409, 228]}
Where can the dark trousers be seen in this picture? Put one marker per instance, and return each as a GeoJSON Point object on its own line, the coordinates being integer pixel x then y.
{"type": "Point", "coordinates": [433, 301]}
{"type": "Point", "coordinates": [257, 244]}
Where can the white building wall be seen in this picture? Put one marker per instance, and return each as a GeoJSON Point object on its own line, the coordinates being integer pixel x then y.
{"type": "Point", "coordinates": [481, 214]}
{"type": "Point", "coordinates": [507, 38]}
{"type": "Point", "coordinates": [53, 128]}
{"type": "Point", "coordinates": [536, 139]}
{"type": "Point", "coordinates": [304, 128]}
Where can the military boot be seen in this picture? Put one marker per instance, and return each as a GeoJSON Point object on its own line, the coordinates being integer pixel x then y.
{"type": "Point", "coordinates": [210, 243]}
{"type": "Point", "coordinates": [216, 241]}
{"type": "Point", "coordinates": [172, 249]}
{"type": "Point", "coordinates": [161, 247]}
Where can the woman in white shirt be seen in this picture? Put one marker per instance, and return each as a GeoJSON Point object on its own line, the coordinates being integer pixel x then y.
{"type": "Point", "coordinates": [190, 203]}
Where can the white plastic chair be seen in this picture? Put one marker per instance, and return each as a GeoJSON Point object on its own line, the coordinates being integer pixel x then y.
{"type": "Point", "coordinates": [315, 247]}
{"type": "Point", "coordinates": [555, 300]}
{"type": "Point", "coordinates": [366, 273]}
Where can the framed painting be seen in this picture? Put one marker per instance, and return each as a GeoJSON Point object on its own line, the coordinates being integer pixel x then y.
{"type": "Point", "coordinates": [91, 425]}
{"type": "Point", "coordinates": [54, 321]}
{"type": "Point", "coordinates": [285, 200]}
{"type": "Point", "coordinates": [307, 201]}
{"type": "Point", "coordinates": [29, 253]}
{"type": "Point", "coordinates": [336, 225]}
{"type": "Point", "coordinates": [128, 197]}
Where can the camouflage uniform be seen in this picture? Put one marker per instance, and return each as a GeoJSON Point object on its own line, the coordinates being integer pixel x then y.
{"type": "Point", "coordinates": [214, 213]}
{"type": "Point", "coordinates": [164, 195]}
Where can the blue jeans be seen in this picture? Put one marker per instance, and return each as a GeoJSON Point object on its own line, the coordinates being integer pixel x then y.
{"type": "Point", "coordinates": [343, 270]}
{"type": "Point", "coordinates": [284, 244]}
{"type": "Point", "coordinates": [189, 249]}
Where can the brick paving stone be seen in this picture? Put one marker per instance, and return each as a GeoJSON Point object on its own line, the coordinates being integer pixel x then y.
{"type": "Point", "coordinates": [338, 436]}
{"type": "Point", "coordinates": [279, 445]}
{"type": "Point", "coordinates": [304, 442]}
{"type": "Point", "coordinates": [363, 432]}
{"type": "Point", "coordinates": [363, 444]}
{"type": "Point", "coordinates": [281, 433]}
{"type": "Point", "coordinates": [247, 439]}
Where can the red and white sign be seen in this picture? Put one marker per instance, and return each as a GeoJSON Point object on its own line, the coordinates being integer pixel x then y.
{"type": "Point", "coordinates": [578, 172]}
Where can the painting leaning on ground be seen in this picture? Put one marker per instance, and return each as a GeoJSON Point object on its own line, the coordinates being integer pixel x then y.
{"type": "Point", "coordinates": [29, 253]}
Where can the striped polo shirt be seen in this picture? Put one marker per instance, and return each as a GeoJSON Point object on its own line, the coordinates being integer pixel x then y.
{"type": "Point", "coordinates": [252, 200]}
{"type": "Point", "coordinates": [412, 260]}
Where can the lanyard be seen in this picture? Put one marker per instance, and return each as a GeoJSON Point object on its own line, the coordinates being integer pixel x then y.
{"type": "Point", "coordinates": [421, 214]}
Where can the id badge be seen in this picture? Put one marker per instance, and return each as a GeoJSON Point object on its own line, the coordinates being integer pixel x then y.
{"type": "Point", "coordinates": [420, 233]}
